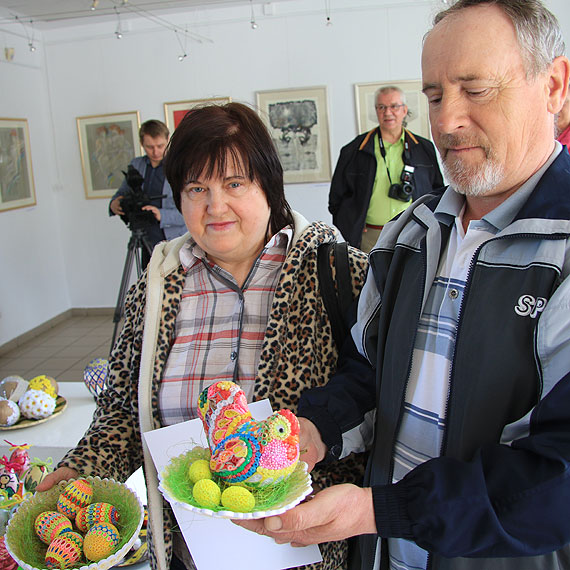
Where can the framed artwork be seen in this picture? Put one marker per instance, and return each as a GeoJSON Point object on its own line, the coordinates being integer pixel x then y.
{"type": "Point", "coordinates": [417, 120]}
{"type": "Point", "coordinates": [16, 177]}
{"type": "Point", "coordinates": [298, 122]}
{"type": "Point", "coordinates": [107, 144]}
{"type": "Point", "coordinates": [175, 110]}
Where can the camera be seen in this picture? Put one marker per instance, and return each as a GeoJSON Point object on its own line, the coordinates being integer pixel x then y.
{"type": "Point", "coordinates": [134, 200]}
{"type": "Point", "coordinates": [403, 191]}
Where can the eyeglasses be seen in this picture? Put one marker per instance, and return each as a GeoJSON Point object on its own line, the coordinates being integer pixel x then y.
{"type": "Point", "coordinates": [393, 108]}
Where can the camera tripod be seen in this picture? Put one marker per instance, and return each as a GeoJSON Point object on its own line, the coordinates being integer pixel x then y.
{"type": "Point", "coordinates": [134, 252]}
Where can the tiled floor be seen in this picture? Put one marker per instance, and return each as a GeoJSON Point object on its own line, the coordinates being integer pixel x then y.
{"type": "Point", "coordinates": [63, 351]}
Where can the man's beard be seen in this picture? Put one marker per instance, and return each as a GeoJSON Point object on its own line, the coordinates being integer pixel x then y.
{"type": "Point", "coordinates": [471, 180]}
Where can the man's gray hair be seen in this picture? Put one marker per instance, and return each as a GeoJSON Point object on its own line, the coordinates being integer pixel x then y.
{"type": "Point", "coordinates": [536, 28]}
{"type": "Point", "coordinates": [389, 89]}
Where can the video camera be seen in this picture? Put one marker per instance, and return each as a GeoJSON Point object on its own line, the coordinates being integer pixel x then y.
{"type": "Point", "coordinates": [403, 191]}
{"type": "Point", "coordinates": [133, 201]}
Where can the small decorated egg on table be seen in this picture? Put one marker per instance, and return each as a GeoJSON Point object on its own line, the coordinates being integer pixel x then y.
{"type": "Point", "coordinates": [9, 413]}
{"type": "Point", "coordinates": [64, 550]}
{"type": "Point", "coordinates": [46, 384]}
{"type": "Point", "coordinates": [36, 405]}
{"type": "Point", "coordinates": [13, 387]}
{"type": "Point", "coordinates": [96, 513]}
{"type": "Point", "coordinates": [50, 524]}
{"type": "Point", "coordinates": [100, 541]}
{"type": "Point", "coordinates": [35, 474]}
{"type": "Point", "coordinates": [75, 496]}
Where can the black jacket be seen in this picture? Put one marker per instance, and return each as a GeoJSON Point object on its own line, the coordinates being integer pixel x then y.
{"type": "Point", "coordinates": [496, 498]}
{"type": "Point", "coordinates": [353, 179]}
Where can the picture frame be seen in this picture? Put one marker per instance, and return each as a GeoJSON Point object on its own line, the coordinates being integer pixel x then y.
{"type": "Point", "coordinates": [299, 125]}
{"type": "Point", "coordinates": [417, 122]}
{"type": "Point", "coordinates": [17, 189]}
{"type": "Point", "coordinates": [107, 144]}
{"type": "Point", "coordinates": [174, 111]}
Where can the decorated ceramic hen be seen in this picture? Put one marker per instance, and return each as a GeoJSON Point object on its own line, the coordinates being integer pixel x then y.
{"type": "Point", "coordinates": [257, 453]}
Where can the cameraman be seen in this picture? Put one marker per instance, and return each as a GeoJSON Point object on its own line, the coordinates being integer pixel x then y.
{"type": "Point", "coordinates": [168, 223]}
{"type": "Point", "coordinates": [379, 173]}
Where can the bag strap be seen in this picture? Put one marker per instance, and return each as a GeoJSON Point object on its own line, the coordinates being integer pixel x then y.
{"type": "Point", "coordinates": [337, 294]}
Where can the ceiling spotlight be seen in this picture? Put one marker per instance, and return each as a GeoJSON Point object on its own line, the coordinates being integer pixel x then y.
{"type": "Point", "coordinates": [32, 47]}
{"type": "Point", "coordinates": [329, 22]}
{"type": "Point", "coordinates": [182, 57]}
{"type": "Point", "coordinates": [94, 4]}
{"type": "Point", "coordinates": [118, 29]}
{"type": "Point", "coordinates": [252, 21]}
{"type": "Point", "coordinates": [118, 34]}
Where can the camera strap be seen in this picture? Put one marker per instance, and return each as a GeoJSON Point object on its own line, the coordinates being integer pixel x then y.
{"type": "Point", "coordinates": [406, 154]}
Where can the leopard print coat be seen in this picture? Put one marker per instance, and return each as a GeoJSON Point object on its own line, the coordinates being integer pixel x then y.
{"type": "Point", "coordinates": [298, 353]}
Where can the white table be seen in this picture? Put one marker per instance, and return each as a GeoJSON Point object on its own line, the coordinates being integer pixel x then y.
{"type": "Point", "coordinates": [55, 437]}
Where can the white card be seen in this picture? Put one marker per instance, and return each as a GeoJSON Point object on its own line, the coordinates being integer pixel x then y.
{"type": "Point", "coordinates": [240, 548]}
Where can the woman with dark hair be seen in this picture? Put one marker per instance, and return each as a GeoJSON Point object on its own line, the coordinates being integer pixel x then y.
{"type": "Point", "coordinates": [235, 298]}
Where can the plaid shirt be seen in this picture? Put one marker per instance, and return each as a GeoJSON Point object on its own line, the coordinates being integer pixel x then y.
{"type": "Point", "coordinates": [220, 327]}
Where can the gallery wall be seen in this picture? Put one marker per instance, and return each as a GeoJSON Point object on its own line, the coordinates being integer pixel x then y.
{"type": "Point", "coordinates": [66, 252]}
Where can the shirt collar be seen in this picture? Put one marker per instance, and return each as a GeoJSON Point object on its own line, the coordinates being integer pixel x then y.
{"type": "Point", "coordinates": [191, 253]}
{"type": "Point", "coordinates": [452, 203]}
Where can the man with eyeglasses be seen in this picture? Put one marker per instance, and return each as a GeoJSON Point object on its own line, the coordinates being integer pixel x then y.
{"type": "Point", "coordinates": [379, 173]}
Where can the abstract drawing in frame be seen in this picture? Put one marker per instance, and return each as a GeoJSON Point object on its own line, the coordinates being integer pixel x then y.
{"type": "Point", "coordinates": [298, 122]}
{"type": "Point", "coordinates": [107, 144]}
{"type": "Point", "coordinates": [174, 111]}
{"type": "Point", "coordinates": [417, 122]}
{"type": "Point", "coordinates": [16, 177]}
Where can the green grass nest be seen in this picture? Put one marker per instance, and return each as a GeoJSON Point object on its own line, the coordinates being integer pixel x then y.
{"type": "Point", "coordinates": [175, 479]}
{"type": "Point", "coordinates": [28, 548]}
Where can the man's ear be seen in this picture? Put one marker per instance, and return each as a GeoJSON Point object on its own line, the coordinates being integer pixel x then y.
{"type": "Point", "coordinates": [557, 88]}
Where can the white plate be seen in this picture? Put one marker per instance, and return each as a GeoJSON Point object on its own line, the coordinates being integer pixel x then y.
{"type": "Point", "coordinates": [300, 487]}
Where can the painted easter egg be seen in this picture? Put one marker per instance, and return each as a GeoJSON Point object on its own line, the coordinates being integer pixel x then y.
{"type": "Point", "coordinates": [96, 513]}
{"type": "Point", "coordinates": [36, 405]}
{"type": "Point", "coordinates": [19, 458]}
{"type": "Point", "coordinates": [238, 499]}
{"type": "Point", "coordinates": [206, 493]}
{"type": "Point", "coordinates": [8, 481]}
{"type": "Point", "coordinates": [13, 387]}
{"type": "Point", "coordinates": [200, 469]}
{"type": "Point", "coordinates": [44, 383]}
{"type": "Point", "coordinates": [50, 524]}
{"type": "Point", "coordinates": [64, 550]}
{"type": "Point", "coordinates": [9, 413]}
{"type": "Point", "coordinates": [35, 474]}
{"type": "Point", "coordinates": [100, 541]}
{"type": "Point", "coordinates": [75, 496]}
{"type": "Point", "coordinates": [95, 375]}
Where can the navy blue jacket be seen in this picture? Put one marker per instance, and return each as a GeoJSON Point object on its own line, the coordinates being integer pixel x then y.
{"type": "Point", "coordinates": [498, 496]}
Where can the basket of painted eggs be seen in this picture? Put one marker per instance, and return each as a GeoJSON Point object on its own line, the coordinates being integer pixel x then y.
{"type": "Point", "coordinates": [88, 523]}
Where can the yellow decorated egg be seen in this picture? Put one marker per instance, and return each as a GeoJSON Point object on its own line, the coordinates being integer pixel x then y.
{"type": "Point", "coordinates": [238, 499]}
{"type": "Point", "coordinates": [96, 513]}
{"type": "Point", "coordinates": [206, 493]}
{"type": "Point", "coordinates": [75, 496]}
{"type": "Point", "coordinates": [9, 413]}
{"type": "Point", "coordinates": [44, 383]}
{"type": "Point", "coordinates": [64, 550]}
{"type": "Point", "coordinates": [200, 469]}
{"type": "Point", "coordinates": [50, 524]}
{"type": "Point", "coordinates": [36, 405]}
{"type": "Point", "coordinates": [100, 541]}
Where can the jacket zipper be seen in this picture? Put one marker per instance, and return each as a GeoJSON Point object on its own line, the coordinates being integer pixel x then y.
{"type": "Point", "coordinates": [459, 315]}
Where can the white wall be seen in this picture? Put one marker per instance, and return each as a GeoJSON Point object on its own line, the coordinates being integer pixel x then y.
{"type": "Point", "coordinates": [66, 252]}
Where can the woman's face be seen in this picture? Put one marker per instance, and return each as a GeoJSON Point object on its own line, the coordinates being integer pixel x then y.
{"type": "Point", "coordinates": [228, 216]}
